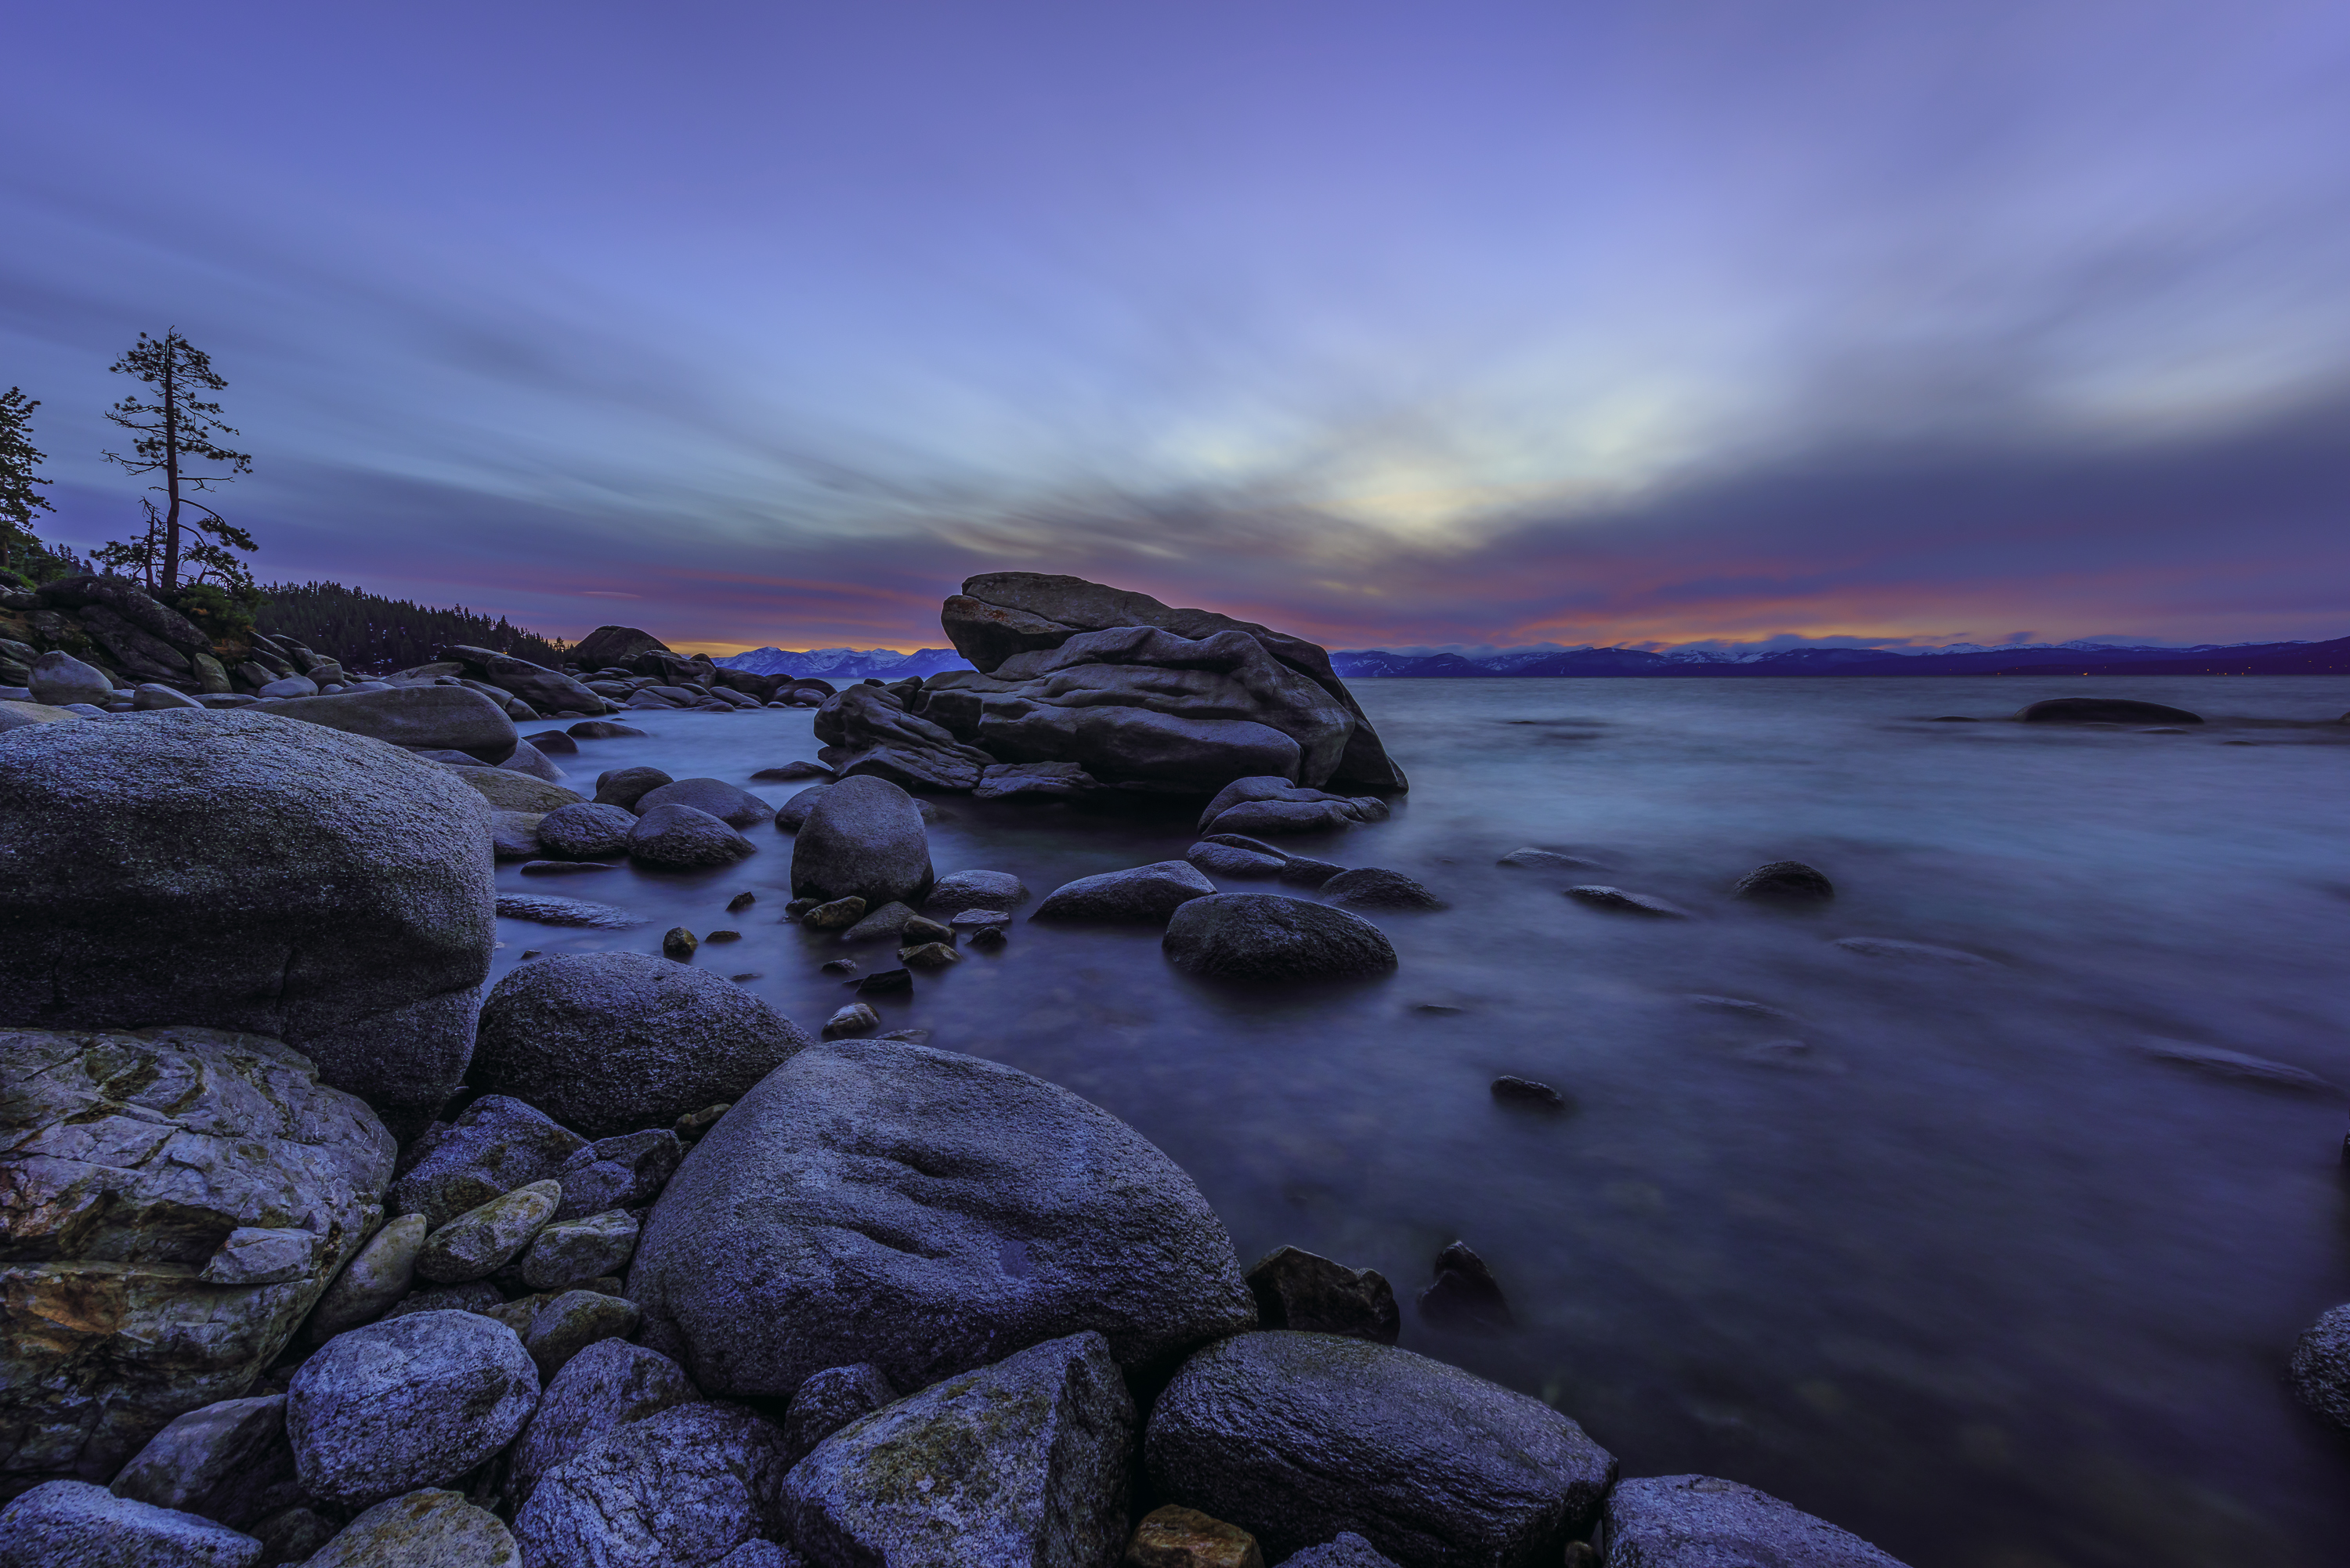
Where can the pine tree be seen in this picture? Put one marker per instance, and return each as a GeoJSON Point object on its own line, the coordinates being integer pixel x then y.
{"type": "Point", "coordinates": [18, 458]}
{"type": "Point", "coordinates": [175, 431]}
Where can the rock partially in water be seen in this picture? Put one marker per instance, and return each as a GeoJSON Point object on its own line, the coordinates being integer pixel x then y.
{"type": "Point", "coordinates": [133, 1157]}
{"type": "Point", "coordinates": [431, 718]}
{"type": "Point", "coordinates": [2102, 710]}
{"type": "Point", "coordinates": [229, 1462]}
{"type": "Point", "coordinates": [1465, 1295]}
{"type": "Point", "coordinates": [685, 1484]}
{"type": "Point", "coordinates": [1296, 1437]}
{"type": "Point", "coordinates": [928, 955]}
{"type": "Point", "coordinates": [1269, 804]}
{"type": "Point", "coordinates": [605, 1386]}
{"type": "Point", "coordinates": [513, 834]}
{"type": "Point", "coordinates": [882, 925]}
{"type": "Point", "coordinates": [863, 838]}
{"type": "Point", "coordinates": [2321, 1365]}
{"type": "Point", "coordinates": [1377, 888]}
{"type": "Point", "coordinates": [1023, 1462]}
{"type": "Point", "coordinates": [798, 770]}
{"type": "Point", "coordinates": [1141, 895]}
{"type": "Point", "coordinates": [736, 807]}
{"type": "Point", "coordinates": [1299, 1290]}
{"type": "Point", "coordinates": [1513, 1090]}
{"type": "Point", "coordinates": [73, 1524]}
{"type": "Point", "coordinates": [495, 1145]}
{"type": "Point", "coordinates": [587, 830]}
{"type": "Point", "coordinates": [2239, 1067]}
{"type": "Point", "coordinates": [529, 758]}
{"type": "Point", "coordinates": [885, 1202]}
{"type": "Point", "coordinates": [1916, 954]}
{"type": "Point", "coordinates": [682, 838]}
{"type": "Point", "coordinates": [413, 1401]}
{"type": "Point", "coordinates": [1699, 1522]}
{"type": "Point", "coordinates": [623, 787]}
{"type": "Point", "coordinates": [1785, 882]}
{"type": "Point", "coordinates": [867, 732]}
{"type": "Point", "coordinates": [1035, 781]}
{"type": "Point", "coordinates": [549, 909]}
{"type": "Point", "coordinates": [992, 891]}
{"type": "Point", "coordinates": [679, 943]}
{"type": "Point", "coordinates": [831, 1400]}
{"type": "Point", "coordinates": [1267, 937]}
{"type": "Point", "coordinates": [1228, 860]}
{"type": "Point", "coordinates": [507, 790]}
{"type": "Point", "coordinates": [1617, 901]}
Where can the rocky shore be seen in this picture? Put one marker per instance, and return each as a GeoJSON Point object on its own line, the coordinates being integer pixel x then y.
{"type": "Point", "coordinates": [316, 1253]}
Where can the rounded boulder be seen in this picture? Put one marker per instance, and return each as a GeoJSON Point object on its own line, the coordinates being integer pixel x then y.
{"type": "Point", "coordinates": [682, 838]}
{"type": "Point", "coordinates": [1266, 937]}
{"type": "Point", "coordinates": [413, 1401]}
{"type": "Point", "coordinates": [583, 832]}
{"type": "Point", "coordinates": [736, 807]}
{"type": "Point", "coordinates": [863, 838]}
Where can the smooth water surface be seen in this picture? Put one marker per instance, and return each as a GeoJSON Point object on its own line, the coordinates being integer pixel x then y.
{"type": "Point", "coordinates": [1966, 1271]}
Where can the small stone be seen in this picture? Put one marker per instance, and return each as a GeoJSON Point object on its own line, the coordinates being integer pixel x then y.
{"type": "Point", "coordinates": [477, 1242]}
{"type": "Point", "coordinates": [694, 1124]}
{"type": "Point", "coordinates": [256, 1256]}
{"type": "Point", "coordinates": [987, 938]}
{"type": "Point", "coordinates": [1785, 882]}
{"type": "Point", "coordinates": [886, 983]}
{"type": "Point", "coordinates": [574, 1321]}
{"type": "Point", "coordinates": [1377, 888]}
{"type": "Point", "coordinates": [838, 916]}
{"type": "Point", "coordinates": [294, 1535]}
{"type": "Point", "coordinates": [920, 929]}
{"type": "Point", "coordinates": [857, 1018]}
{"type": "Point", "coordinates": [882, 925]}
{"type": "Point", "coordinates": [1516, 1091]}
{"type": "Point", "coordinates": [370, 1283]}
{"type": "Point", "coordinates": [582, 1248]}
{"type": "Point", "coordinates": [724, 936]}
{"type": "Point", "coordinates": [741, 901]}
{"type": "Point", "coordinates": [1179, 1537]}
{"type": "Point", "coordinates": [1616, 900]}
{"type": "Point", "coordinates": [1299, 1290]}
{"type": "Point", "coordinates": [976, 919]}
{"type": "Point", "coordinates": [1465, 1294]}
{"type": "Point", "coordinates": [680, 943]}
{"type": "Point", "coordinates": [429, 1528]}
{"type": "Point", "coordinates": [831, 1400]}
{"type": "Point", "coordinates": [929, 955]}
{"type": "Point", "coordinates": [840, 966]}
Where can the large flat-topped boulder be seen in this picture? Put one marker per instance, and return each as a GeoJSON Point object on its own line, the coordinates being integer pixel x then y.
{"type": "Point", "coordinates": [611, 647]}
{"type": "Point", "coordinates": [423, 718]}
{"type": "Point", "coordinates": [1000, 615]}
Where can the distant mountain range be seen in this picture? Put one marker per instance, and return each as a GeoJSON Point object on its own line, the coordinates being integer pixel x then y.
{"type": "Point", "coordinates": [839, 664]}
{"type": "Point", "coordinates": [1956, 658]}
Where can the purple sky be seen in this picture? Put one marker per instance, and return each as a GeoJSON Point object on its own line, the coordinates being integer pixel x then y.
{"type": "Point", "coordinates": [1390, 324]}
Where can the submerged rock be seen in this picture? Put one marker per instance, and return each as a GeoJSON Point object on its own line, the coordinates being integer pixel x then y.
{"type": "Point", "coordinates": [2102, 710]}
{"type": "Point", "coordinates": [1267, 937]}
{"type": "Point", "coordinates": [1699, 1522]}
{"type": "Point", "coordinates": [682, 838]}
{"type": "Point", "coordinates": [1617, 901]}
{"type": "Point", "coordinates": [1377, 888]}
{"type": "Point", "coordinates": [1142, 895]}
{"type": "Point", "coordinates": [736, 807]}
{"type": "Point", "coordinates": [1465, 1295]}
{"type": "Point", "coordinates": [1785, 882]}
{"type": "Point", "coordinates": [997, 891]}
{"type": "Point", "coordinates": [1913, 953]}
{"type": "Point", "coordinates": [2254, 1070]}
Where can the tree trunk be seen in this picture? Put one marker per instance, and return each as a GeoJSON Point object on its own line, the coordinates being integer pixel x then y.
{"type": "Point", "coordinates": [170, 573]}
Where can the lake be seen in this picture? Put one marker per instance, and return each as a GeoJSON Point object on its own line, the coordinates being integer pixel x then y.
{"type": "Point", "coordinates": [1940, 1253]}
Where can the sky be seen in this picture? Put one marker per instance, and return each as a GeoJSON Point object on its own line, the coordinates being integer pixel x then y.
{"type": "Point", "coordinates": [1487, 323]}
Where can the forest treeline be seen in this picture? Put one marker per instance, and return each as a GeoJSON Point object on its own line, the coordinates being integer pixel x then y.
{"type": "Point", "coordinates": [368, 631]}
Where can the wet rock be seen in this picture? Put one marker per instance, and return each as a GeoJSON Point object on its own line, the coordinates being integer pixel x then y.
{"type": "Point", "coordinates": [229, 1462]}
{"type": "Point", "coordinates": [864, 838]}
{"type": "Point", "coordinates": [831, 1400]}
{"type": "Point", "coordinates": [679, 943]}
{"type": "Point", "coordinates": [1295, 1437]}
{"type": "Point", "coordinates": [1915, 954]}
{"type": "Point", "coordinates": [2320, 1367]}
{"type": "Point", "coordinates": [384, 1271]}
{"type": "Point", "coordinates": [587, 830]}
{"type": "Point", "coordinates": [2241, 1068]}
{"type": "Point", "coordinates": [1023, 1461]}
{"type": "Point", "coordinates": [857, 1018]}
{"type": "Point", "coordinates": [510, 791]}
{"type": "Point", "coordinates": [988, 939]}
{"type": "Point", "coordinates": [612, 1042]}
{"type": "Point", "coordinates": [792, 816]}
{"type": "Point", "coordinates": [529, 758]}
{"type": "Point", "coordinates": [563, 868]}
{"type": "Point", "coordinates": [1617, 901]}
{"type": "Point", "coordinates": [1785, 882]}
{"type": "Point", "coordinates": [623, 787]}
{"type": "Point", "coordinates": [133, 1157]}
{"type": "Point", "coordinates": [1299, 1290]}
{"type": "Point", "coordinates": [1266, 937]}
{"type": "Point", "coordinates": [480, 1242]}
{"type": "Point", "coordinates": [885, 1202]}
{"type": "Point", "coordinates": [882, 925]}
{"type": "Point", "coordinates": [868, 732]}
{"type": "Point", "coordinates": [1377, 888]}
{"type": "Point", "coordinates": [1225, 860]}
{"type": "Point", "coordinates": [1179, 1537]}
{"type": "Point", "coordinates": [321, 889]}
{"type": "Point", "coordinates": [1515, 1091]}
{"type": "Point", "coordinates": [929, 955]}
{"type": "Point", "coordinates": [620, 1172]}
{"type": "Point", "coordinates": [1302, 871]}
{"type": "Point", "coordinates": [1034, 781]}
{"type": "Point", "coordinates": [496, 1145]}
{"type": "Point", "coordinates": [581, 1249]}
{"type": "Point", "coordinates": [429, 1528]}
{"type": "Point", "coordinates": [554, 744]}
{"type": "Point", "coordinates": [1346, 1550]}
{"type": "Point", "coordinates": [1465, 1295]}
{"type": "Point", "coordinates": [2102, 710]}
{"type": "Point", "coordinates": [548, 910]}
{"type": "Point", "coordinates": [680, 838]}
{"type": "Point", "coordinates": [996, 891]}
{"type": "Point", "coordinates": [73, 1524]}
{"type": "Point", "coordinates": [841, 914]}
{"type": "Point", "coordinates": [608, 1385]}
{"type": "Point", "coordinates": [258, 1255]}
{"type": "Point", "coordinates": [686, 1484]}
{"type": "Point", "coordinates": [413, 1401]}
{"type": "Point", "coordinates": [572, 1322]}
{"type": "Point", "coordinates": [971, 920]}
{"type": "Point", "coordinates": [1274, 805]}
{"type": "Point", "coordinates": [1699, 1522]}
{"type": "Point", "coordinates": [736, 807]}
{"type": "Point", "coordinates": [842, 966]}
{"type": "Point", "coordinates": [1144, 894]}
{"type": "Point", "coordinates": [797, 769]}
{"type": "Point", "coordinates": [886, 983]}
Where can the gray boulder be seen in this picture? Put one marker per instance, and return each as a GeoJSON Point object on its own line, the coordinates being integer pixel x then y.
{"type": "Point", "coordinates": [546, 690]}
{"type": "Point", "coordinates": [423, 718]}
{"type": "Point", "coordinates": [149, 695]}
{"type": "Point", "coordinates": [610, 1042]}
{"type": "Point", "coordinates": [480, 1242]}
{"type": "Point", "coordinates": [680, 838]}
{"type": "Point", "coordinates": [496, 1145]}
{"type": "Point", "coordinates": [133, 1157]}
{"type": "Point", "coordinates": [320, 889]}
{"type": "Point", "coordinates": [2321, 1365]}
{"type": "Point", "coordinates": [59, 678]}
{"type": "Point", "coordinates": [529, 758]}
{"type": "Point", "coordinates": [624, 788]}
{"type": "Point", "coordinates": [1296, 1437]}
{"type": "Point", "coordinates": [384, 1271]}
{"type": "Point", "coordinates": [1267, 937]}
{"type": "Point", "coordinates": [1143, 895]}
{"type": "Point", "coordinates": [863, 838]}
{"type": "Point", "coordinates": [1274, 805]}
{"type": "Point", "coordinates": [868, 733]}
{"type": "Point", "coordinates": [507, 790]}
{"type": "Point", "coordinates": [289, 686]}
{"type": "Point", "coordinates": [413, 1401]}
{"type": "Point", "coordinates": [574, 1320]}
{"type": "Point", "coordinates": [1229, 860]}
{"type": "Point", "coordinates": [1699, 1522]}
{"type": "Point", "coordinates": [513, 834]}
{"type": "Point", "coordinates": [684, 1485]}
{"type": "Point", "coordinates": [882, 1202]}
{"type": "Point", "coordinates": [229, 1462]}
{"type": "Point", "coordinates": [831, 1400]}
{"type": "Point", "coordinates": [615, 646]}
{"type": "Point", "coordinates": [792, 816]}
{"type": "Point", "coordinates": [588, 1248]}
{"type": "Point", "coordinates": [1377, 888]}
{"type": "Point", "coordinates": [73, 1524]}
{"type": "Point", "coordinates": [618, 1172]}
{"type": "Point", "coordinates": [736, 807]}
{"type": "Point", "coordinates": [429, 1528]}
{"type": "Point", "coordinates": [1021, 1462]}
{"type": "Point", "coordinates": [605, 1386]}
{"type": "Point", "coordinates": [974, 891]}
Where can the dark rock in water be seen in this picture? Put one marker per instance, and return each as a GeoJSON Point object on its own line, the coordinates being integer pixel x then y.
{"type": "Point", "coordinates": [1035, 781]}
{"type": "Point", "coordinates": [1953, 719]}
{"type": "Point", "coordinates": [739, 902]}
{"type": "Point", "coordinates": [1300, 871]}
{"type": "Point", "coordinates": [1916, 954]}
{"type": "Point", "coordinates": [863, 838]}
{"type": "Point", "coordinates": [1616, 900]}
{"type": "Point", "coordinates": [413, 1401]}
{"type": "Point", "coordinates": [1296, 1437]}
{"type": "Point", "coordinates": [1001, 1211]}
{"type": "Point", "coordinates": [2320, 1367]}
{"type": "Point", "coordinates": [1299, 1290]}
{"type": "Point", "coordinates": [970, 920]}
{"type": "Point", "coordinates": [679, 943]}
{"type": "Point", "coordinates": [2243, 1069]}
{"type": "Point", "coordinates": [1785, 882]}
{"type": "Point", "coordinates": [604, 730]}
{"type": "Point", "coordinates": [1225, 860]}
{"type": "Point", "coordinates": [1267, 937]}
{"type": "Point", "coordinates": [587, 830]}
{"type": "Point", "coordinates": [549, 910]}
{"type": "Point", "coordinates": [1548, 860]}
{"type": "Point", "coordinates": [529, 758]}
{"type": "Point", "coordinates": [496, 1145]}
{"type": "Point", "coordinates": [1465, 1294]}
{"type": "Point", "coordinates": [1377, 888]}
{"type": "Point", "coordinates": [1270, 803]}
{"type": "Point", "coordinates": [564, 868]}
{"type": "Point", "coordinates": [607, 1042]}
{"type": "Point", "coordinates": [1025, 1462]}
{"type": "Point", "coordinates": [1347, 1550]}
{"type": "Point", "coordinates": [451, 718]}
{"type": "Point", "coordinates": [987, 938]}
{"type": "Point", "coordinates": [624, 788]}
{"type": "Point", "coordinates": [680, 838]}
{"type": "Point", "coordinates": [321, 889]}
{"type": "Point", "coordinates": [618, 1172]}
{"type": "Point", "coordinates": [1518, 1090]}
{"type": "Point", "coordinates": [792, 816]}
{"type": "Point", "coordinates": [602, 1388]}
{"type": "Point", "coordinates": [882, 925]}
{"type": "Point", "coordinates": [840, 915]}
{"type": "Point", "coordinates": [793, 771]}
{"type": "Point", "coordinates": [508, 790]}
{"type": "Point", "coordinates": [831, 1400]}
{"type": "Point", "coordinates": [923, 928]}
{"type": "Point", "coordinates": [928, 955]}
{"type": "Point", "coordinates": [229, 1462]}
{"type": "Point", "coordinates": [1142, 895]}
{"type": "Point", "coordinates": [1699, 1522]}
{"type": "Point", "coordinates": [840, 966]}
{"type": "Point", "coordinates": [615, 646]}
{"type": "Point", "coordinates": [2102, 710]}
{"type": "Point", "coordinates": [735, 807]}
{"type": "Point", "coordinates": [687, 1484]}
{"type": "Point", "coordinates": [998, 891]}
{"type": "Point", "coordinates": [886, 983]}
{"type": "Point", "coordinates": [867, 732]}
{"type": "Point", "coordinates": [513, 834]}
{"type": "Point", "coordinates": [74, 1524]}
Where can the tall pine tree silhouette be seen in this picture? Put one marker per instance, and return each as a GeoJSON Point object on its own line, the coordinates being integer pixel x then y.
{"type": "Point", "coordinates": [177, 431]}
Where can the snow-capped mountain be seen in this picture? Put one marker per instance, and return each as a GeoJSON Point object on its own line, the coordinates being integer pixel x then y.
{"type": "Point", "coordinates": [839, 664]}
{"type": "Point", "coordinates": [1953, 659]}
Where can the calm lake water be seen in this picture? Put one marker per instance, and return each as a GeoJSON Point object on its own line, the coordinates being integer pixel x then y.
{"type": "Point", "coordinates": [1969, 1273]}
